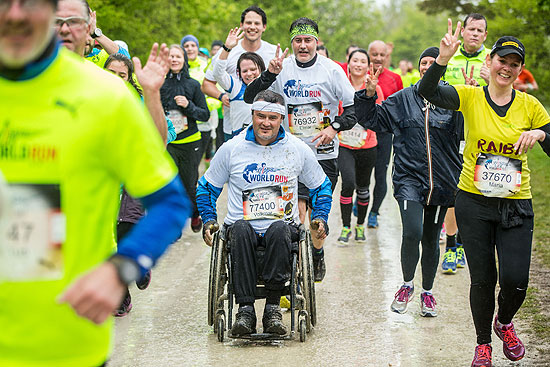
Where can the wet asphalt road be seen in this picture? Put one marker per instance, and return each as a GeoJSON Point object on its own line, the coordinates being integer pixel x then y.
{"type": "Point", "coordinates": [168, 323]}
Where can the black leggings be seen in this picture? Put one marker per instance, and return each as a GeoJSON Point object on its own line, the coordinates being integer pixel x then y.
{"type": "Point", "coordinates": [480, 223]}
{"type": "Point", "coordinates": [421, 224]}
{"type": "Point", "coordinates": [206, 144]}
{"type": "Point", "coordinates": [356, 167]}
{"type": "Point", "coordinates": [187, 158]}
{"type": "Point", "coordinates": [383, 155]}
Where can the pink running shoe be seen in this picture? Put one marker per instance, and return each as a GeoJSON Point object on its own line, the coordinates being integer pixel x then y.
{"type": "Point", "coordinates": [512, 347]}
{"type": "Point", "coordinates": [402, 298]}
{"type": "Point", "coordinates": [482, 356]}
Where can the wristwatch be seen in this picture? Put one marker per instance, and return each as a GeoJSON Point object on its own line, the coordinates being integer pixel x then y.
{"type": "Point", "coordinates": [336, 125]}
{"type": "Point", "coordinates": [97, 33]}
{"type": "Point", "coordinates": [127, 269]}
{"type": "Point", "coordinates": [226, 48]}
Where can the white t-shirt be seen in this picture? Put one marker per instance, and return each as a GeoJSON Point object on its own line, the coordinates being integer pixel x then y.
{"type": "Point", "coordinates": [241, 112]}
{"type": "Point", "coordinates": [266, 52]}
{"type": "Point", "coordinates": [263, 180]}
{"type": "Point", "coordinates": [312, 96]}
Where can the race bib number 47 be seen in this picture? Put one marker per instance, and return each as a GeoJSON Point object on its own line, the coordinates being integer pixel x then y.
{"type": "Point", "coordinates": [497, 176]}
{"type": "Point", "coordinates": [263, 203]}
{"type": "Point", "coordinates": [305, 120]}
{"type": "Point", "coordinates": [32, 230]}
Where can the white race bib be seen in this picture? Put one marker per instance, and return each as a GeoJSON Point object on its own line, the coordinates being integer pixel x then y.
{"type": "Point", "coordinates": [263, 203]}
{"type": "Point", "coordinates": [355, 138]}
{"type": "Point", "coordinates": [305, 120]}
{"type": "Point", "coordinates": [497, 176]}
{"type": "Point", "coordinates": [32, 231]}
{"type": "Point", "coordinates": [178, 120]}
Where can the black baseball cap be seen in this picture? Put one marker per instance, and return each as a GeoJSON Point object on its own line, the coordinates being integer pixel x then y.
{"type": "Point", "coordinates": [509, 45]}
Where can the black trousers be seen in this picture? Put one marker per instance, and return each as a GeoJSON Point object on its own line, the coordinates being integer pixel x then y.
{"type": "Point", "coordinates": [187, 158]}
{"type": "Point", "coordinates": [421, 224]}
{"type": "Point", "coordinates": [383, 155]}
{"type": "Point", "coordinates": [254, 256]}
{"type": "Point", "coordinates": [356, 167]}
{"type": "Point", "coordinates": [480, 221]}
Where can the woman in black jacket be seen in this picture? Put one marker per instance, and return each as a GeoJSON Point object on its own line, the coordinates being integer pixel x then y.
{"type": "Point", "coordinates": [184, 104]}
{"type": "Point", "coordinates": [425, 173]}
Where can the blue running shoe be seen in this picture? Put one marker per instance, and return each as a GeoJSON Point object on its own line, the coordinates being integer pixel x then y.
{"type": "Point", "coordinates": [460, 257]}
{"type": "Point", "coordinates": [372, 221]}
{"type": "Point", "coordinates": [449, 261]}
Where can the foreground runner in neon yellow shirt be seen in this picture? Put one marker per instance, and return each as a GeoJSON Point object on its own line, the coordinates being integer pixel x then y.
{"type": "Point", "coordinates": [64, 167]}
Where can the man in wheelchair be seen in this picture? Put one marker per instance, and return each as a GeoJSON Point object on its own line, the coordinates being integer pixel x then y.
{"type": "Point", "coordinates": [262, 166]}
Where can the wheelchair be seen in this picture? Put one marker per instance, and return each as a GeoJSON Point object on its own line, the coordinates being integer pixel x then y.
{"type": "Point", "coordinates": [300, 289]}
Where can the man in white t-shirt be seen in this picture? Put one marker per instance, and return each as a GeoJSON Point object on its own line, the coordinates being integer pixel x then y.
{"type": "Point", "coordinates": [312, 86]}
{"type": "Point", "coordinates": [262, 167]}
{"type": "Point", "coordinates": [253, 23]}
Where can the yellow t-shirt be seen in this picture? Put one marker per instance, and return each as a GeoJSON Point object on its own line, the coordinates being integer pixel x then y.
{"type": "Point", "coordinates": [52, 148]}
{"type": "Point", "coordinates": [486, 132]}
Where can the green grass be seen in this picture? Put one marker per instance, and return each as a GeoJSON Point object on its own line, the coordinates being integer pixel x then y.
{"type": "Point", "coordinates": [539, 163]}
{"type": "Point", "coordinates": [532, 309]}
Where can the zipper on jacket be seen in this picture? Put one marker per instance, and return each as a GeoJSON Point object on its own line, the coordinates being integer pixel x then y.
{"type": "Point", "coordinates": [428, 148]}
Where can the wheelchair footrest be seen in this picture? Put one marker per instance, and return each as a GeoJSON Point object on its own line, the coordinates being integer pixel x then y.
{"type": "Point", "coordinates": [262, 336]}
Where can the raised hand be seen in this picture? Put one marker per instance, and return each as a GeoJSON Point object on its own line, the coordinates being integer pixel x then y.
{"type": "Point", "coordinates": [151, 76]}
{"type": "Point", "coordinates": [233, 38]}
{"type": "Point", "coordinates": [276, 64]}
{"type": "Point", "coordinates": [470, 80]}
{"type": "Point", "coordinates": [449, 44]}
{"type": "Point", "coordinates": [371, 80]}
{"type": "Point", "coordinates": [484, 73]}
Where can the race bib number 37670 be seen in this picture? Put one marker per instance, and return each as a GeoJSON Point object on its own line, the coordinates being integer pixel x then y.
{"type": "Point", "coordinates": [497, 176]}
{"type": "Point", "coordinates": [32, 230]}
{"type": "Point", "coordinates": [263, 203]}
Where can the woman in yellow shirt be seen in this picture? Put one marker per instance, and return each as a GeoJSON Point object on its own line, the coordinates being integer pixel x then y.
{"type": "Point", "coordinates": [493, 203]}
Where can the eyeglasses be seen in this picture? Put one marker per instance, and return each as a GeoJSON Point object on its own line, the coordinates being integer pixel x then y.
{"type": "Point", "coordinates": [26, 5]}
{"type": "Point", "coordinates": [72, 22]}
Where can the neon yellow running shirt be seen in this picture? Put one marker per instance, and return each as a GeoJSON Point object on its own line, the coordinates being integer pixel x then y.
{"type": "Point", "coordinates": [49, 139]}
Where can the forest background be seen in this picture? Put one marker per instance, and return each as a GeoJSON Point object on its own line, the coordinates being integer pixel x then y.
{"type": "Point", "coordinates": [412, 25]}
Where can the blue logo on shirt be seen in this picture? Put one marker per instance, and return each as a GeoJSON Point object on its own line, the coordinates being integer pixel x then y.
{"type": "Point", "coordinates": [255, 172]}
{"type": "Point", "coordinates": [295, 88]}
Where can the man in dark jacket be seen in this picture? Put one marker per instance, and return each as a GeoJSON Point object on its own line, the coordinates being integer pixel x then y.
{"type": "Point", "coordinates": [425, 174]}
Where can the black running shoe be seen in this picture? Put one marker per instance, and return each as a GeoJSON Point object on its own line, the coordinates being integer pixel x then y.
{"type": "Point", "coordinates": [245, 323]}
{"type": "Point", "coordinates": [124, 307]}
{"type": "Point", "coordinates": [144, 282]}
{"type": "Point", "coordinates": [319, 268]}
{"type": "Point", "coordinates": [273, 320]}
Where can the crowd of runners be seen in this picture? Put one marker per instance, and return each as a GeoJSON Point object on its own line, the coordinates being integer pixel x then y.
{"type": "Point", "coordinates": [278, 126]}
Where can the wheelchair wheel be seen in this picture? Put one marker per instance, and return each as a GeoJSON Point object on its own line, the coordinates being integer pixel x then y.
{"type": "Point", "coordinates": [220, 327]}
{"type": "Point", "coordinates": [313, 308]}
{"type": "Point", "coordinates": [215, 288]}
{"type": "Point", "coordinates": [308, 283]}
{"type": "Point", "coordinates": [302, 329]}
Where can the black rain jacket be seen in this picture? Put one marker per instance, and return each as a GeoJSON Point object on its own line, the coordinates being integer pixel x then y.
{"type": "Point", "coordinates": [426, 140]}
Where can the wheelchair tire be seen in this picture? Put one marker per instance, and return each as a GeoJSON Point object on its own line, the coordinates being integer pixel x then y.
{"type": "Point", "coordinates": [214, 280]}
{"type": "Point", "coordinates": [302, 329]}
{"type": "Point", "coordinates": [220, 323]}
{"type": "Point", "coordinates": [308, 283]}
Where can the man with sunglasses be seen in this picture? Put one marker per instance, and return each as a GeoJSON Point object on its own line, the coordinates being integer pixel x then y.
{"type": "Point", "coordinates": [62, 170]}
